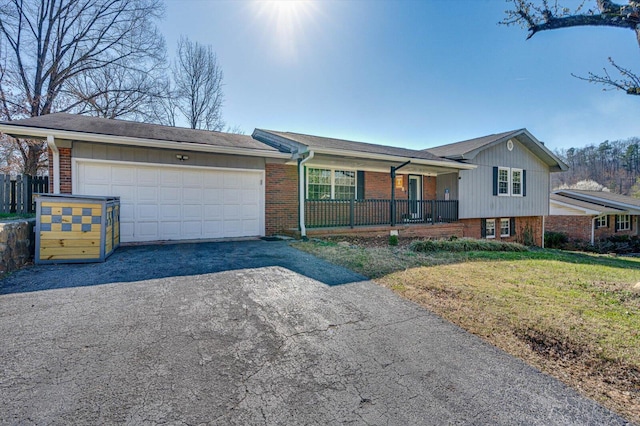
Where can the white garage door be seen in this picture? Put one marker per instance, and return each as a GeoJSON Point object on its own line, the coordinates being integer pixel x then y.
{"type": "Point", "coordinates": [161, 202]}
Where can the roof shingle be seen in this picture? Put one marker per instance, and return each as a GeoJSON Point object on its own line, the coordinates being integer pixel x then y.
{"type": "Point", "coordinates": [346, 145]}
{"type": "Point", "coordinates": [132, 129]}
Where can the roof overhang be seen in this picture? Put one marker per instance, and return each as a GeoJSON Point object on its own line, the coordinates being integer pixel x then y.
{"type": "Point", "coordinates": [43, 133]}
{"type": "Point", "coordinates": [350, 156]}
{"type": "Point", "coordinates": [323, 160]}
{"type": "Point", "coordinates": [585, 210]}
{"type": "Point", "coordinates": [332, 157]}
{"type": "Point", "coordinates": [530, 142]}
{"type": "Point", "coordinates": [621, 207]}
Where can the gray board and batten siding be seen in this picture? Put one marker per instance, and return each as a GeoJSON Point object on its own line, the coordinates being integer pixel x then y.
{"type": "Point", "coordinates": [476, 186]}
{"type": "Point", "coordinates": [98, 151]}
{"type": "Point", "coordinates": [447, 181]}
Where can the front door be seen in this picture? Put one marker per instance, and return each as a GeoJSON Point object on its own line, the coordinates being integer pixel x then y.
{"type": "Point", "coordinates": [415, 196]}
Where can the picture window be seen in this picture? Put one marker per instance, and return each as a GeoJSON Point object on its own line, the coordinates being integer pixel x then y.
{"type": "Point", "coordinates": [327, 184]}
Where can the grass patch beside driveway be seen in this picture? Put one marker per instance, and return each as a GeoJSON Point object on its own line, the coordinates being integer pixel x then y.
{"type": "Point", "coordinates": [574, 316]}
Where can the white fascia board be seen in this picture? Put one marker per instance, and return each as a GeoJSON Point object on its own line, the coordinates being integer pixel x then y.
{"type": "Point", "coordinates": [394, 158]}
{"type": "Point", "coordinates": [586, 212]}
{"type": "Point", "coordinates": [614, 204]}
{"type": "Point", "coordinates": [36, 132]}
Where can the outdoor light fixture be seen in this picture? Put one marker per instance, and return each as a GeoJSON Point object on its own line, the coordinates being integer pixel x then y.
{"type": "Point", "coordinates": [182, 157]}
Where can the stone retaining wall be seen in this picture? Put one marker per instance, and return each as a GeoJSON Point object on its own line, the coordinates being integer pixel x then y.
{"type": "Point", "coordinates": [17, 244]}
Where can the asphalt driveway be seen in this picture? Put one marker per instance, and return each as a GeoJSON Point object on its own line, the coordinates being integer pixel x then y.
{"type": "Point", "coordinates": [250, 332]}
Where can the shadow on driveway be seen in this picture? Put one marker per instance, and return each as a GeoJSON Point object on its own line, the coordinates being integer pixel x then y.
{"type": "Point", "coordinates": [139, 263]}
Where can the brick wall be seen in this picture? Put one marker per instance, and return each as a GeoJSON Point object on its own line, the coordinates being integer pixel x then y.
{"type": "Point", "coordinates": [574, 227]}
{"type": "Point", "coordinates": [473, 229]}
{"type": "Point", "coordinates": [281, 198]}
{"type": "Point", "coordinates": [429, 188]}
{"type": "Point", "coordinates": [65, 170]}
{"type": "Point", "coordinates": [377, 185]}
{"type": "Point", "coordinates": [579, 227]}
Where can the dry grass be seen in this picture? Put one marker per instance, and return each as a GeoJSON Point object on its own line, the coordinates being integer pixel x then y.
{"type": "Point", "coordinates": [573, 316]}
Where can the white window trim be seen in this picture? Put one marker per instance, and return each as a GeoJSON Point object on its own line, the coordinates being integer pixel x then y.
{"type": "Point", "coordinates": [333, 180]}
{"type": "Point", "coordinates": [511, 182]}
{"type": "Point", "coordinates": [627, 222]}
{"type": "Point", "coordinates": [600, 219]}
{"type": "Point", "coordinates": [508, 234]}
{"type": "Point", "coordinates": [487, 227]}
{"type": "Point", "coordinates": [508, 193]}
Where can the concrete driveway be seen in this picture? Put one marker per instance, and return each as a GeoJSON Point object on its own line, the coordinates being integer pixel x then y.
{"type": "Point", "coordinates": [251, 332]}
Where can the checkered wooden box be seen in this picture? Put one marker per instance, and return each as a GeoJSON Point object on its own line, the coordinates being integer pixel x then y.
{"type": "Point", "coordinates": [75, 229]}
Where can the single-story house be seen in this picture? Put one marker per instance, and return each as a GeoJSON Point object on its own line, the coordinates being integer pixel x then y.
{"type": "Point", "coordinates": [593, 215]}
{"type": "Point", "coordinates": [183, 184]}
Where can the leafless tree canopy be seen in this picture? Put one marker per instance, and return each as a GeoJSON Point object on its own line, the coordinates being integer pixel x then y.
{"type": "Point", "coordinates": [544, 15]}
{"type": "Point", "coordinates": [198, 85]}
{"type": "Point", "coordinates": [614, 164]}
{"type": "Point", "coordinates": [76, 55]}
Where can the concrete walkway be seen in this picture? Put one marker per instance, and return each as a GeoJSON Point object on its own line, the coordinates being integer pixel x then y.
{"type": "Point", "coordinates": [250, 332]}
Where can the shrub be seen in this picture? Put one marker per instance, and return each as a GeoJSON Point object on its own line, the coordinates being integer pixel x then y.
{"type": "Point", "coordinates": [465, 244]}
{"type": "Point", "coordinates": [555, 240]}
{"type": "Point", "coordinates": [621, 244]}
{"type": "Point", "coordinates": [393, 240]}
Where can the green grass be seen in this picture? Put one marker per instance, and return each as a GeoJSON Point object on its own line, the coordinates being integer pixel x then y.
{"type": "Point", "coordinates": [12, 216]}
{"type": "Point", "coordinates": [573, 315]}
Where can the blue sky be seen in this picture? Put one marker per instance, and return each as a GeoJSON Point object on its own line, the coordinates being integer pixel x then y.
{"type": "Point", "coordinates": [408, 73]}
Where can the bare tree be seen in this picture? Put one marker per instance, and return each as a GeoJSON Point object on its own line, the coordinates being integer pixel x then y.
{"type": "Point", "coordinates": [544, 15]}
{"type": "Point", "coordinates": [198, 85]}
{"type": "Point", "coordinates": [49, 46]}
{"type": "Point", "coordinates": [117, 91]}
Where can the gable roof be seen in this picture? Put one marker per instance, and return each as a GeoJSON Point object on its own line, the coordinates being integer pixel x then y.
{"type": "Point", "coordinates": [469, 149]}
{"type": "Point", "coordinates": [97, 129]}
{"type": "Point", "coordinates": [301, 143]}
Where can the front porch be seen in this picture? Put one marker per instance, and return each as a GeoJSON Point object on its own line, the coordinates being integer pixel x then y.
{"type": "Point", "coordinates": [378, 217]}
{"type": "Point", "coordinates": [375, 212]}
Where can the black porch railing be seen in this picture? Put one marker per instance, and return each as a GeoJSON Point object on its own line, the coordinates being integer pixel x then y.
{"type": "Point", "coordinates": [341, 213]}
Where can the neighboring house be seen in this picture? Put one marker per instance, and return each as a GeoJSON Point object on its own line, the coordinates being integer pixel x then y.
{"type": "Point", "coordinates": [593, 215]}
{"type": "Point", "coordinates": [178, 184]}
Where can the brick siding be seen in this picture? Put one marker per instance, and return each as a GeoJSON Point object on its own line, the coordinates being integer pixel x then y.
{"type": "Point", "coordinates": [281, 198]}
{"type": "Point", "coordinates": [473, 229]}
{"type": "Point", "coordinates": [377, 185]}
{"type": "Point", "coordinates": [579, 227]}
{"type": "Point", "coordinates": [65, 170]}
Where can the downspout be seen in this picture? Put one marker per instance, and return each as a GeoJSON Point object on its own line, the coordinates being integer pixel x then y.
{"type": "Point", "coordinates": [51, 142]}
{"type": "Point", "coordinates": [543, 218]}
{"type": "Point", "coordinates": [593, 229]}
{"type": "Point", "coordinates": [301, 193]}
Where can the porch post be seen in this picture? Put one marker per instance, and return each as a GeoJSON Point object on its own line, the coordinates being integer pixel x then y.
{"type": "Point", "coordinates": [393, 196]}
{"type": "Point", "coordinates": [393, 190]}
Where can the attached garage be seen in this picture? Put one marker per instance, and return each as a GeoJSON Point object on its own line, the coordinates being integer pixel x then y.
{"type": "Point", "coordinates": [173, 183]}
{"type": "Point", "coordinates": [165, 202]}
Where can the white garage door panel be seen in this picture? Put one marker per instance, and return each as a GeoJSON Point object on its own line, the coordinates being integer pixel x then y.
{"type": "Point", "coordinates": [174, 203]}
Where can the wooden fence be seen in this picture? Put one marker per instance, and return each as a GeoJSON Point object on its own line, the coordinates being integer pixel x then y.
{"type": "Point", "coordinates": [16, 195]}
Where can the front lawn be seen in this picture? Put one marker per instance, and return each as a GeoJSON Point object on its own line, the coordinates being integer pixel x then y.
{"type": "Point", "coordinates": [575, 316]}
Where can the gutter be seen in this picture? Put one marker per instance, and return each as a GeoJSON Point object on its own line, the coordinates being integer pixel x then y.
{"type": "Point", "coordinates": [303, 228]}
{"type": "Point", "coordinates": [51, 143]}
{"type": "Point", "coordinates": [396, 158]}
